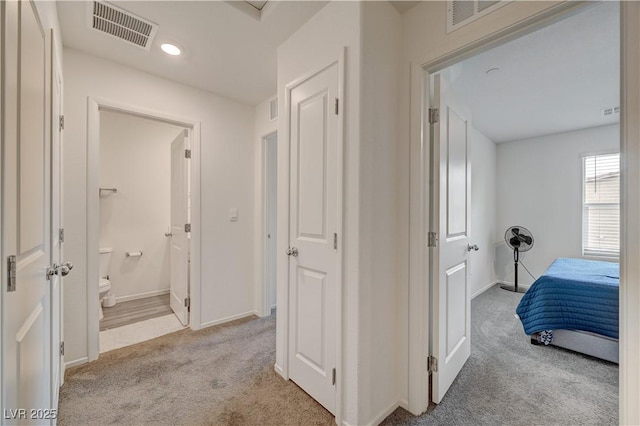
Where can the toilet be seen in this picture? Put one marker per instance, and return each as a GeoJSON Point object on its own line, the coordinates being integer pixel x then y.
{"type": "Point", "coordinates": [104, 285]}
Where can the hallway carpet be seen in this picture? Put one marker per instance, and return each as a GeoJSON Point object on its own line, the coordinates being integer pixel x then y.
{"type": "Point", "coordinates": [224, 376]}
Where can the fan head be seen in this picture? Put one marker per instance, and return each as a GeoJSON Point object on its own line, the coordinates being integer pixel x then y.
{"type": "Point", "coordinates": [519, 238]}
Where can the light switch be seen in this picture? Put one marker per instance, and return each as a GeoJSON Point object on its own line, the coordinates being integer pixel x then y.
{"type": "Point", "coordinates": [233, 214]}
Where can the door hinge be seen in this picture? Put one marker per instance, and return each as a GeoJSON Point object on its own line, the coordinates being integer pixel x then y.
{"type": "Point", "coordinates": [333, 377]}
{"type": "Point", "coordinates": [434, 115]}
{"type": "Point", "coordinates": [187, 153]}
{"type": "Point", "coordinates": [187, 304]}
{"type": "Point", "coordinates": [432, 239]}
{"type": "Point", "coordinates": [187, 227]}
{"type": "Point", "coordinates": [61, 235]}
{"type": "Point", "coordinates": [11, 273]}
{"type": "Point", "coordinates": [335, 241]}
{"type": "Point", "coordinates": [61, 126]}
{"type": "Point", "coordinates": [432, 364]}
{"type": "Point", "coordinates": [336, 104]}
{"type": "Point", "coordinates": [61, 348]}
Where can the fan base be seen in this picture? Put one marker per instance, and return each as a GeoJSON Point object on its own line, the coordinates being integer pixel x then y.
{"type": "Point", "coordinates": [513, 289]}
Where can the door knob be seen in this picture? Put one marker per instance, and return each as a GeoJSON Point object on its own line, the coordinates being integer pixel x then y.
{"type": "Point", "coordinates": [292, 251]}
{"type": "Point", "coordinates": [68, 265]}
{"type": "Point", "coordinates": [472, 247]}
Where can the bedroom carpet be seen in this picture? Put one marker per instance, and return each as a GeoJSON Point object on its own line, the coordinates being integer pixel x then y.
{"type": "Point", "coordinates": [224, 376]}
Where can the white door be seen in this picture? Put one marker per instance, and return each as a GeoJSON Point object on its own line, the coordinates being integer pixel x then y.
{"type": "Point", "coordinates": [451, 196]}
{"type": "Point", "coordinates": [57, 358]}
{"type": "Point", "coordinates": [313, 257]}
{"type": "Point", "coordinates": [179, 235]}
{"type": "Point", "coordinates": [26, 215]}
{"type": "Point", "coordinates": [271, 194]}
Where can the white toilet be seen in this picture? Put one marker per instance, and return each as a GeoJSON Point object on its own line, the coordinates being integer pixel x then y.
{"type": "Point", "coordinates": [104, 285]}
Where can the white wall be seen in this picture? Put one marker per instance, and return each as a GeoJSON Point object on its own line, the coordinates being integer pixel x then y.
{"type": "Point", "coordinates": [316, 44]}
{"type": "Point", "coordinates": [263, 126]}
{"type": "Point", "coordinates": [483, 210]}
{"type": "Point", "coordinates": [540, 188]}
{"type": "Point", "coordinates": [380, 348]}
{"type": "Point", "coordinates": [227, 180]}
{"type": "Point", "coordinates": [135, 158]}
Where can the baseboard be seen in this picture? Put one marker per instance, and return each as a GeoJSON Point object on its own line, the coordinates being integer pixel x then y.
{"type": "Point", "coordinates": [482, 290]}
{"type": "Point", "coordinates": [142, 295]}
{"type": "Point", "coordinates": [76, 362]}
{"type": "Point", "coordinates": [279, 370]}
{"type": "Point", "coordinates": [273, 307]}
{"type": "Point", "coordinates": [227, 319]}
{"type": "Point", "coordinates": [404, 404]}
{"type": "Point", "coordinates": [384, 414]}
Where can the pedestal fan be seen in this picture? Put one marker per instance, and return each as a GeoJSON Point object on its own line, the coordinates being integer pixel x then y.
{"type": "Point", "coordinates": [520, 240]}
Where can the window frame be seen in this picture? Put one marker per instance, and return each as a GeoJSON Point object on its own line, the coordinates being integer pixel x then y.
{"type": "Point", "coordinates": [595, 256]}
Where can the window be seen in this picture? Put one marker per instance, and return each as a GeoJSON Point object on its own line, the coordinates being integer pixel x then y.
{"type": "Point", "coordinates": [601, 206]}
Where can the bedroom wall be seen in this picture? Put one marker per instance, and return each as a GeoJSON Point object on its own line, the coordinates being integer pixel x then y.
{"type": "Point", "coordinates": [540, 188]}
{"type": "Point", "coordinates": [227, 180]}
{"type": "Point", "coordinates": [483, 211]}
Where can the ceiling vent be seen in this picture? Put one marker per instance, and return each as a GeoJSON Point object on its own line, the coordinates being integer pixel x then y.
{"type": "Point", "coordinates": [119, 23]}
{"type": "Point", "coordinates": [463, 12]}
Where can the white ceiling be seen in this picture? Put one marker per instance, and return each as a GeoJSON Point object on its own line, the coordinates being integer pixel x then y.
{"type": "Point", "coordinates": [225, 51]}
{"type": "Point", "coordinates": [554, 80]}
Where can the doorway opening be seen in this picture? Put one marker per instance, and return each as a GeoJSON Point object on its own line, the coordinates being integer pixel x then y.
{"type": "Point", "coordinates": [270, 208]}
{"type": "Point", "coordinates": [142, 248]}
{"type": "Point", "coordinates": [514, 131]}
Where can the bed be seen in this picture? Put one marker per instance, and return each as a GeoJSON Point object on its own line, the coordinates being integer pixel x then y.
{"type": "Point", "coordinates": [574, 305]}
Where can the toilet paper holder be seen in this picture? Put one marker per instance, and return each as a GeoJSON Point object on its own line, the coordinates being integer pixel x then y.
{"type": "Point", "coordinates": [134, 253]}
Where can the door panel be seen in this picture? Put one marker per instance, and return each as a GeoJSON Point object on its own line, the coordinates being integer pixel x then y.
{"type": "Point", "coordinates": [179, 238]}
{"type": "Point", "coordinates": [26, 233]}
{"type": "Point", "coordinates": [313, 222]}
{"type": "Point", "coordinates": [57, 255]}
{"type": "Point", "coordinates": [451, 302]}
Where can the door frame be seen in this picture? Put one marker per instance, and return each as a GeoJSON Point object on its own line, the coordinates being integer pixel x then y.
{"type": "Point", "coordinates": [283, 223]}
{"type": "Point", "coordinates": [264, 303]}
{"type": "Point", "coordinates": [419, 207]}
{"type": "Point", "coordinates": [94, 106]}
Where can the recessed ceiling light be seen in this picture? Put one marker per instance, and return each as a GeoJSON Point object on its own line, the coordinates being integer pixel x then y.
{"type": "Point", "coordinates": [492, 70]}
{"type": "Point", "coordinates": [170, 49]}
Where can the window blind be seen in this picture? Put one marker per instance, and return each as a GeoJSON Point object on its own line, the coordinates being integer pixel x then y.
{"type": "Point", "coordinates": [601, 206]}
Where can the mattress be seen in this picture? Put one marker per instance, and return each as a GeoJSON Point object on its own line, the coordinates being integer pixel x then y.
{"type": "Point", "coordinates": [573, 294]}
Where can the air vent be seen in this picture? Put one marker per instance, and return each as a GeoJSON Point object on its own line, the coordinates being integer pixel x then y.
{"type": "Point", "coordinates": [463, 12]}
{"type": "Point", "coordinates": [119, 23]}
{"type": "Point", "coordinates": [610, 111]}
{"type": "Point", "coordinates": [273, 109]}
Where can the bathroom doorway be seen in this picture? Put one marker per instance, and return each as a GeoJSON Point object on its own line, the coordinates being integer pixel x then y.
{"type": "Point", "coordinates": [270, 197]}
{"type": "Point", "coordinates": [143, 227]}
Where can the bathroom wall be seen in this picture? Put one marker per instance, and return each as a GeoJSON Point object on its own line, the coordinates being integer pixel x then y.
{"type": "Point", "coordinates": [135, 158]}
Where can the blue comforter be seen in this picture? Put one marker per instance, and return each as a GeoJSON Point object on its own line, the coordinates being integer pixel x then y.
{"type": "Point", "coordinates": [573, 294]}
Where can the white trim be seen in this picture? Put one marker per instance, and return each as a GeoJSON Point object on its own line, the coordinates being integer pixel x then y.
{"type": "Point", "coordinates": [227, 319]}
{"type": "Point", "coordinates": [420, 142]}
{"type": "Point", "coordinates": [76, 362]}
{"type": "Point", "coordinates": [94, 106]}
{"type": "Point", "coordinates": [483, 289]}
{"type": "Point", "coordinates": [384, 414]}
{"type": "Point", "coordinates": [278, 370]}
{"type": "Point", "coordinates": [142, 295]}
{"type": "Point", "coordinates": [630, 212]}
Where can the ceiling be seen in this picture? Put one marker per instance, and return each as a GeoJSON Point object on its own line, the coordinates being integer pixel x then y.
{"type": "Point", "coordinates": [225, 50]}
{"type": "Point", "coordinates": [554, 80]}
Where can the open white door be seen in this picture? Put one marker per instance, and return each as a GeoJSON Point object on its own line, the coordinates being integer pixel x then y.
{"type": "Point", "coordinates": [179, 232]}
{"type": "Point", "coordinates": [26, 236]}
{"type": "Point", "coordinates": [57, 238]}
{"type": "Point", "coordinates": [313, 255]}
{"type": "Point", "coordinates": [451, 197]}
{"type": "Point", "coordinates": [271, 192]}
